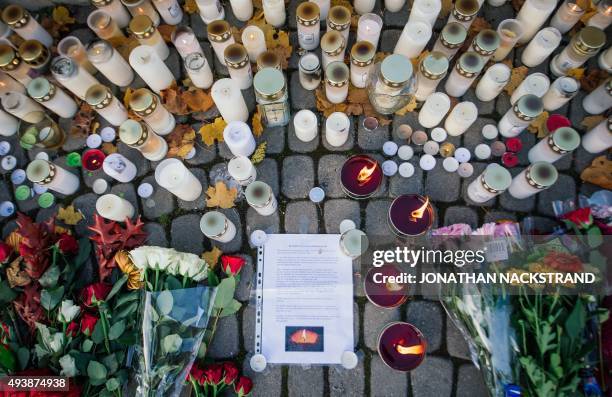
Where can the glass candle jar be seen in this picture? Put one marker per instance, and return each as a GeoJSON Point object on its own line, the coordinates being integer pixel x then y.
{"type": "Point", "coordinates": [53, 177]}
{"type": "Point", "coordinates": [242, 9]}
{"type": "Point", "coordinates": [339, 19]}
{"type": "Point", "coordinates": [391, 84]}
{"type": "Point", "coordinates": [141, 27]}
{"type": "Point", "coordinates": [336, 82]}
{"type": "Point", "coordinates": [35, 55]}
{"type": "Point", "coordinates": [461, 117]}
{"type": "Point", "coordinates": [104, 26]}
{"type": "Point", "coordinates": [7, 83]}
{"type": "Point", "coordinates": [149, 66]}
{"type": "Point", "coordinates": [172, 175]}
{"type": "Point", "coordinates": [268, 59]}
{"type": "Point", "coordinates": [169, 10]}
{"type": "Point", "coordinates": [142, 7]}
{"type": "Point", "coordinates": [216, 226]}
{"type": "Point", "coordinates": [260, 197]}
{"type": "Point", "coordinates": [494, 180]}
{"type": "Point", "coordinates": [21, 106]}
{"type": "Point", "coordinates": [136, 135]}
{"type": "Point", "coordinates": [604, 61]}
{"type": "Point", "coordinates": [274, 12]}
{"type": "Point", "coordinates": [369, 27]}
{"type": "Point", "coordinates": [425, 11]}
{"type": "Point", "coordinates": [493, 82]}
{"type": "Point", "coordinates": [485, 43]}
{"type": "Point", "coordinates": [332, 48]}
{"type": "Point", "coordinates": [603, 18]}
{"type": "Point", "coordinates": [567, 15]}
{"type": "Point", "coordinates": [272, 97]}
{"type": "Point", "coordinates": [599, 138]}
{"type": "Point", "coordinates": [238, 65]}
{"type": "Point", "coordinates": [467, 68]}
{"type": "Point", "coordinates": [413, 39]}
{"type": "Point", "coordinates": [432, 70]}
{"type": "Point", "coordinates": [583, 46]}
{"type": "Point", "coordinates": [8, 124]}
{"type": "Point", "coordinates": [509, 32]}
{"type": "Point", "coordinates": [519, 116]}
{"type": "Point", "coordinates": [600, 99]}
{"type": "Point", "coordinates": [71, 47]}
{"type": "Point", "coordinates": [254, 41]}
{"type": "Point", "coordinates": [210, 10]}
{"type": "Point", "coordinates": [110, 63]}
{"type": "Point", "coordinates": [115, 9]}
{"type": "Point", "coordinates": [40, 130]}
{"type": "Point", "coordinates": [22, 23]}
{"type": "Point", "coordinates": [434, 109]}
{"type": "Point", "coordinates": [199, 70]}
{"type": "Point", "coordinates": [242, 170]}
{"type": "Point", "coordinates": [307, 16]}
{"type": "Point", "coordinates": [229, 100]}
{"type": "Point", "coordinates": [464, 12]}
{"type": "Point", "coordinates": [556, 145]}
{"type": "Point", "coordinates": [540, 48]}
{"type": "Point", "coordinates": [537, 177]}
{"type": "Point", "coordinates": [561, 91]}
{"type": "Point", "coordinates": [362, 59]}
{"type": "Point", "coordinates": [13, 65]}
{"type": "Point", "coordinates": [220, 36]}
{"type": "Point", "coordinates": [535, 83]}
{"type": "Point", "coordinates": [185, 41]}
{"type": "Point", "coordinates": [450, 39]}
{"type": "Point", "coordinates": [101, 99]}
{"type": "Point", "coordinates": [532, 15]}
{"type": "Point", "coordinates": [51, 97]}
{"type": "Point", "coordinates": [148, 106]}
{"type": "Point", "coordinates": [309, 71]}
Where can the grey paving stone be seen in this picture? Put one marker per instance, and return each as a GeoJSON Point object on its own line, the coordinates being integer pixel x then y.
{"type": "Point", "coordinates": [399, 185]}
{"type": "Point", "coordinates": [156, 234]}
{"type": "Point", "coordinates": [304, 382]}
{"type": "Point", "coordinates": [582, 159]}
{"type": "Point", "coordinates": [198, 26]}
{"type": "Point", "coordinates": [275, 139]}
{"type": "Point", "coordinates": [296, 145]}
{"type": "Point", "coordinates": [297, 176]}
{"type": "Point", "coordinates": [236, 243]}
{"type": "Point", "coordinates": [186, 234]}
{"type": "Point", "coordinates": [300, 97]}
{"type": "Point", "coordinates": [225, 344]}
{"type": "Point", "coordinates": [384, 381]}
{"type": "Point", "coordinates": [470, 382]}
{"type": "Point", "coordinates": [441, 185]}
{"type": "Point", "coordinates": [330, 166]}
{"type": "Point", "coordinates": [87, 205]}
{"type": "Point", "coordinates": [388, 39]}
{"type": "Point", "coordinates": [374, 320]}
{"type": "Point", "coordinates": [348, 145]}
{"type": "Point", "coordinates": [502, 104]}
{"type": "Point", "coordinates": [427, 316]}
{"type": "Point", "coordinates": [461, 214]}
{"type": "Point", "coordinates": [174, 63]}
{"type": "Point", "coordinates": [564, 189]}
{"type": "Point", "coordinates": [478, 169]}
{"type": "Point", "coordinates": [343, 382]}
{"type": "Point", "coordinates": [564, 163]}
{"type": "Point", "coordinates": [127, 191]}
{"type": "Point", "coordinates": [335, 211]}
{"type": "Point", "coordinates": [142, 165]}
{"type": "Point", "coordinates": [254, 221]}
{"type": "Point", "coordinates": [494, 15]}
{"type": "Point", "coordinates": [410, 119]}
{"type": "Point", "coordinates": [267, 171]}
{"type": "Point", "coordinates": [397, 19]}
{"type": "Point", "coordinates": [243, 289]}
{"type": "Point", "coordinates": [301, 217]}
{"type": "Point", "coordinates": [268, 383]}
{"type": "Point", "coordinates": [513, 204]}
{"type": "Point", "coordinates": [200, 202]}
{"type": "Point", "coordinates": [456, 344]}
{"type": "Point", "coordinates": [224, 151]}
{"type": "Point", "coordinates": [483, 107]}
{"type": "Point", "coordinates": [577, 112]}
{"type": "Point", "coordinates": [376, 221]}
{"type": "Point", "coordinates": [10, 227]}
{"type": "Point", "coordinates": [496, 216]}
{"type": "Point", "coordinates": [425, 385]}
{"type": "Point", "coordinates": [473, 136]}
{"type": "Point", "coordinates": [89, 177]}
{"type": "Point", "coordinates": [204, 154]}
{"type": "Point", "coordinates": [371, 140]}
{"type": "Point", "coordinates": [160, 203]}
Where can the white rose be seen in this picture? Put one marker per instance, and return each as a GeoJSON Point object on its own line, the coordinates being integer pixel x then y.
{"type": "Point", "coordinates": [68, 311]}
{"type": "Point", "coordinates": [68, 366]}
{"type": "Point", "coordinates": [57, 342]}
{"type": "Point", "coordinates": [191, 265]}
{"type": "Point", "coordinates": [139, 257]}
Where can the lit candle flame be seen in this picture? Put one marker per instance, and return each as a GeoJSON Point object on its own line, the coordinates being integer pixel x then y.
{"type": "Point", "coordinates": [365, 174]}
{"type": "Point", "coordinates": [405, 350]}
{"type": "Point", "coordinates": [419, 212]}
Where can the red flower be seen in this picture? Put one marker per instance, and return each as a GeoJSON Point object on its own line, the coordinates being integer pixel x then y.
{"type": "Point", "coordinates": [196, 373]}
{"type": "Point", "coordinates": [514, 145]}
{"type": "Point", "coordinates": [5, 251]}
{"type": "Point", "coordinates": [88, 323]}
{"type": "Point", "coordinates": [73, 329]}
{"type": "Point", "coordinates": [581, 217]}
{"type": "Point", "coordinates": [231, 372]}
{"type": "Point", "coordinates": [68, 244]}
{"type": "Point", "coordinates": [99, 290]}
{"type": "Point", "coordinates": [232, 265]}
{"type": "Point", "coordinates": [563, 262]}
{"type": "Point", "coordinates": [213, 374]}
{"type": "Point", "coordinates": [243, 386]}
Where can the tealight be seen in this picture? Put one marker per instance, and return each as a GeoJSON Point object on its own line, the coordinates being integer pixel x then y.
{"type": "Point", "coordinates": [46, 200]}
{"type": "Point", "coordinates": [5, 148]}
{"type": "Point", "coordinates": [389, 167]}
{"type": "Point", "coordinates": [18, 176]}
{"type": "Point", "coordinates": [108, 134]}
{"type": "Point", "coordinates": [450, 164]}
{"type": "Point", "coordinates": [465, 170]}
{"type": "Point", "coordinates": [386, 295]}
{"type": "Point", "coordinates": [39, 189]}
{"type": "Point", "coordinates": [360, 176]}
{"type": "Point", "coordinates": [390, 148]}
{"type": "Point", "coordinates": [145, 190]}
{"type": "Point", "coordinates": [462, 155]}
{"type": "Point", "coordinates": [438, 134]}
{"type": "Point", "coordinates": [405, 152]}
{"type": "Point", "coordinates": [93, 159]}
{"type": "Point", "coordinates": [100, 186]}
{"type": "Point", "coordinates": [431, 147]}
{"type": "Point", "coordinates": [349, 360]}
{"type": "Point", "coordinates": [498, 148]}
{"type": "Point", "coordinates": [94, 141]}
{"type": "Point", "coordinates": [42, 156]}
{"type": "Point", "coordinates": [482, 151]}
{"type": "Point", "coordinates": [346, 225]}
{"type": "Point", "coordinates": [404, 131]}
{"type": "Point", "coordinates": [354, 243]}
{"type": "Point", "coordinates": [406, 170]}
{"type": "Point", "coordinates": [23, 193]}
{"type": "Point", "coordinates": [258, 239]}
{"type": "Point", "coordinates": [316, 195]}
{"type": "Point", "coordinates": [8, 163]}
{"type": "Point", "coordinates": [489, 131]}
{"type": "Point", "coordinates": [419, 137]}
{"type": "Point", "coordinates": [7, 209]}
{"type": "Point", "coordinates": [410, 215]}
{"type": "Point", "coordinates": [258, 362]}
{"type": "Point", "coordinates": [447, 149]}
{"type": "Point", "coordinates": [427, 162]}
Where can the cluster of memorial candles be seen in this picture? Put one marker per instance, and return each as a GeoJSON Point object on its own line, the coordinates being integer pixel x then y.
{"type": "Point", "coordinates": [33, 82]}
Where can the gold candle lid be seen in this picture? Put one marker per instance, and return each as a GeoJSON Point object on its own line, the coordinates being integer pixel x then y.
{"type": "Point", "coordinates": [362, 53]}
{"type": "Point", "coordinates": [434, 66]}
{"type": "Point", "coordinates": [132, 3]}
{"type": "Point", "coordinates": [339, 18]}
{"type": "Point", "coordinates": [142, 27]}
{"type": "Point", "coordinates": [41, 89]}
{"type": "Point", "coordinates": [15, 16]}
{"type": "Point", "coordinates": [470, 64]}
{"type": "Point", "coordinates": [133, 133]}
{"type": "Point", "coordinates": [236, 56]}
{"type": "Point", "coordinates": [34, 53]}
{"type": "Point", "coordinates": [486, 42]}
{"type": "Point", "coordinates": [465, 10]}
{"type": "Point", "coordinates": [9, 59]}
{"type": "Point", "coordinates": [98, 96]}
{"type": "Point", "coordinates": [453, 35]}
{"type": "Point", "coordinates": [101, 3]}
{"type": "Point", "coordinates": [307, 13]}
{"type": "Point", "coordinates": [589, 40]}
{"type": "Point", "coordinates": [143, 102]}
{"type": "Point", "coordinates": [219, 30]}
{"type": "Point", "coordinates": [337, 74]}
{"type": "Point", "coordinates": [269, 83]}
{"type": "Point", "coordinates": [41, 171]}
{"type": "Point", "coordinates": [268, 59]}
{"type": "Point", "coordinates": [332, 43]}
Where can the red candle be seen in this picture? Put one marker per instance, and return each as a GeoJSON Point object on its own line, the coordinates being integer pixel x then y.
{"type": "Point", "coordinates": [410, 215]}
{"type": "Point", "coordinates": [361, 176]}
{"type": "Point", "coordinates": [387, 294]}
{"type": "Point", "coordinates": [93, 159]}
{"type": "Point", "coordinates": [402, 346]}
{"type": "Point", "coordinates": [556, 121]}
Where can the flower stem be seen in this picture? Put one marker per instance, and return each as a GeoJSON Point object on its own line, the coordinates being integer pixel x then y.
{"type": "Point", "coordinates": [156, 278]}
{"type": "Point", "coordinates": [195, 387]}
{"type": "Point", "coordinates": [104, 320]}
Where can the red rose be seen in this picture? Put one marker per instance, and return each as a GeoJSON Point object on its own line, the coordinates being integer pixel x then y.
{"type": "Point", "coordinates": [232, 265]}
{"type": "Point", "coordinates": [563, 262]}
{"type": "Point", "coordinates": [231, 372]}
{"type": "Point", "coordinates": [581, 217]}
{"type": "Point", "coordinates": [98, 290]}
{"type": "Point", "coordinates": [72, 329]}
{"type": "Point", "coordinates": [243, 386]}
{"type": "Point", "coordinates": [196, 373]}
{"type": "Point", "coordinates": [5, 251]}
{"type": "Point", "coordinates": [68, 244]}
{"type": "Point", "coordinates": [213, 374]}
{"type": "Point", "coordinates": [88, 323]}
{"type": "Point", "coordinates": [25, 251]}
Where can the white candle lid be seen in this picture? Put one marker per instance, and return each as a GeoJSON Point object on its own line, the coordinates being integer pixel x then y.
{"type": "Point", "coordinates": [349, 360]}
{"type": "Point", "coordinates": [450, 164]}
{"type": "Point", "coordinates": [389, 167]}
{"type": "Point", "coordinates": [8, 163]}
{"type": "Point", "coordinates": [427, 162]}
{"type": "Point", "coordinates": [338, 121]}
{"type": "Point", "coordinates": [5, 148]}
{"type": "Point", "coordinates": [465, 170]}
{"type": "Point", "coordinates": [390, 148]}
{"type": "Point", "coordinates": [258, 238]}
{"type": "Point", "coordinates": [482, 151]}
{"type": "Point", "coordinates": [406, 170]}
{"type": "Point", "coordinates": [438, 134]}
{"type": "Point", "coordinates": [39, 189]}
{"type": "Point", "coordinates": [108, 134]}
{"type": "Point", "coordinates": [42, 156]}
{"type": "Point", "coordinates": [94, 141]}
{"type": "Point", "coordinates": [99, 186]}
{"type": "Point", "coordinates": [145, 190]}
{"type": "Point", "coordinates": [18, 176]}
{"type": "Point", "coordinates": [490, 131]}
{"type": "Point", "coordinates": [346, 225]}
{"type": "Point", "coordinates": [305, 118]}
{"type": "Point", "coordinates": [405, 152]}
{"type": "Point", "coordinates": [431, 147]}
{"type": "Point", "coordinates": [191, 154]}
{"type": "Point", "coordinates": [237, 132]}
{"type": "Point", "coordinates": [316, 195]}
{"type": "Point", "coordinates": [462, 155]}
{"type": "Point", "coordinates": [7, 208]}
{"type": "Point", "coordinates": [258, 362]}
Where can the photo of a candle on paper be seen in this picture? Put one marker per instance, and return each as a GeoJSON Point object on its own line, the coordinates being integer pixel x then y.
{"type": "Point", "coordinates": [304, 339]}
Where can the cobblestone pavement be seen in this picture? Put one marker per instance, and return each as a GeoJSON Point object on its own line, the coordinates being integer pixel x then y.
{"type": "Point", "coordinates": [292, 168]}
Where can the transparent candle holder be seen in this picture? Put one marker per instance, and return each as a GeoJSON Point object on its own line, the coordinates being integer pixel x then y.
{"type": "Point", "coordinates": [391, 84]}
{"type": "Point", "coordinates": [41, 131]}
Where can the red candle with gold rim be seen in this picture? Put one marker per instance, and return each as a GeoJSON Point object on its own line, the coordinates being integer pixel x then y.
{"type": "Point", "coordinates": [361, 176]}
{"type": "Point", "coordinates": [402, 346]}
{"type": "Point", "coordinates": [387, 295]}
{"type": "Point", "coordinates": [93, 159]}
{"type": "Point", "coordinates": [410, 215]}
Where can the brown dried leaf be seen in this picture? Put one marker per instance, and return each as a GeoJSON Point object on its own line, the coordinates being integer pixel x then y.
{"type": "Point", "coordinates": [577, 73]}
{"type": "Point", "coordinates": [197, 100]}
{"type": "Point", "coordinates": [516, 78]}
{"type": "Point", "coordinates": [599, 172]}
{"type": "Point", "coordinates": [82, 121]}
{"type": "Point", "coordinates": [592, 79]}
{"type": "Point", "coordinates": [212, 132]}
{"type": "Point", "coordinates": [16, 276]}
{"type": "Point", "coordinates": [166, 32]}
{"type": "Point", "coordinates": [69, 215]}
{"type": "Point", "coordinates": [173, 101]}
{"type": "Point", "coordinates": [190, 7]}
{"type": "Point", "coordinates": [478, 25]}
{"type": "Point", "coordinates": [517, 4]}
{"type": "Point", "coordinates": [181, 140]}
{"type": "Point", "coordinates": [325, 106]}
{"type": "Point", "coordinates": [220, 196]}
{"type": "Point", "coordinates": [257, 124]}
{"type": "Point", "coordinates": [417, 60]}
{"type": "Point", "coordinates": [410, 107]}
{"type": "Point", "coordinates": [538, 126]}
{"type": "Point", "coordinates": [380, 56]}
{"type": "Point", "coordinates": [590, 122]}
{"type": "Point", "coordinates": [109, 148]}
{"type": "Point", "coordinates": [212, 257]}
{"type": "Point", "coordinates": [447, 7]}
{"type": "Point", "coordinates": [62, 16]}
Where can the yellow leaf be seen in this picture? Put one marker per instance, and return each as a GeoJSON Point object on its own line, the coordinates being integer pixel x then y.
{"type": "Point", "coordinates": [221, 196]}
{"type": "Point", "coordinates": [410, 107]}
{"type": "Point", "coordinates": [516, 78]}
{"type": "Point", "coordinates": [14, 240]}
{"type": "Point", "coordinates": [16, 276]}
{"type": "Point", "coordinates": [190, 7]}
{"type": "Point", "coordinates": [127, 97]}
{"type": "Point", "coordinates": [212, 257]}
{"type": "Point", "coordinates": [260, 153]}
{"type": "Point", "coordinates": [577, 73]}
{"type": "Point", "coordinates": [180, 141]}
{"type": "Point", "coordinates": [590, 122]}
{"type": "Point", "coordinates": [538, 126]}
{"type": "Point", "coordinates": [109, 148]}
{"type": "Point", "coordinates": [61, 16]}
{"type": "Point", "coordinates": [212, 132]}
{"type": "Point", "coordinates": [69, 215]}
{"type": "Point", "coordinates": [257, 125]}
{"type": "Point", "coordinates": [599, 172]}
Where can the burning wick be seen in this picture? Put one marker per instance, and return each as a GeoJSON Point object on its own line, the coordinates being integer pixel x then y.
{"type": "Point", "coordinates": [365, 174]}
{"type": "Point", "coordinates": [419, 212]}
{"type": "Point", "coordinates": [416, 349]}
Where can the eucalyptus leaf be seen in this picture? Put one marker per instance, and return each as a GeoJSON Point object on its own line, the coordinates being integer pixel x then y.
{"type": "Point", "coordinates": [116, 330]}
{"type": "Point", "coordinates": [84, 252]}
{"type": "Point", "coordinates": [594, 237]}
{"type": "Point", "coordinates": [126, 311]}
{"type": "Point", "coordinates": [50, 277]}
{"type": "Point", "coordinates": [212, 278]}
{"type": "Point", "coordinates": [23, 357]}
{"type": "Point", "coordinates": [164, 302]}
{"type": "Point", "coordinates": [97, 373]}
{"type": "Point", "coordinates": [50, 298]}
{"type": "Point", "coordinates": [112, 384]}
{"type": "Point", "coordinates": [117, 287]}
{"type": "Point", "coordinates": [225, 292]}
{"type": "Point", "coordinates": [172, 283]}
{"type": "Point", "coordinates": [7, 359]}
{"type": "Point", "coordinates": [126, 298]}
{"type": "Point", "coordinates": [575, 322]}
{"type": "Point", "coordinates": [7, 294]}
{"type": "Point", "coordinates": [111, 363]}
{"type": "Point", "coordinates": [87, 345]}
{"type": "Point", "coordinates": [171, 343]}
{"type": "Point", "coordinates": [230, 309]}
{"type": "Point", "coordinates": [97, 336]}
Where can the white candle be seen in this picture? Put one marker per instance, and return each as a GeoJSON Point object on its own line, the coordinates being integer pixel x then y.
{"type": "Point", "coordinates": [555, 146]}
{"type": "Point", "coordinates": [7, 83]}
{"type": "Point", "coordinates": [229, 100]}
{"type": "Point", "coordinates": [185, 41]}
{"type": "Point", "coordinates": [274, 12]}
{"type": "Point", "coordinates": [496, 3]}
{"type": "Point", "coordinates": [567, 15]}
{"type": "Point", "coordinates": [148, 106]}
{"type": "Point", "coordinates": [220, 37]}
{"type": "Point", "coordinates": [169, 10]}
{"type": "Point", "coordinates": [561, 91]}
{"type": "Point", "coordinates": [332, 48]}
{"type": "Point", "coordinates": [142, 28]}
{"type": "Point", "coordinates": [172, 175]}
{"type": "Point", "coordinates": [323, 8]}
{"type": "Point", "coordinates": [466, 69]}
{"type": "Point", "coordinates": [600, 99]}
{"type": "Point", "coordinates": [12, 64]}
{"type": "Point", "coordinates": [364, 6]}
{"type": "Point", "coordinates": [71, 47]}
{"type": "Point", "coordinates": [434, 109]}
{"type": "Point", "coordinates": [362, 60]}
{"type": "Point", "coordinates": [254, 41]}
{"type": "Point", "coordinates": [218, 227]}
{"type": "Point", "coordinates": [509, 32]}
{"type": "Point", "coordinates": [413, 39]}
{"type": "Point", "coordinates": [605, 60]}
{"type": "Point", "coordinates": [115, 208]}
{"type": "Point", "coordinates": [239, 138]}
{"type": "Point", "coordinates": [536, 84]}
{"type": "Point", "coordinates": [52, 97]}
{"type": "Point", "coordinates": [309, 71]}
{"type": "Point", "coordinates": [431, 71]}
{"type": "Point", "coordinates": [464, 12]}
{"type": "Point", "coordinates": [494, 180]}
{"type": "Point", "coordinates": [307, 16]}
{"type": "Point", "coordinates": [260, 197]}
{"type": "Point", "coordinates": [540, 48]}
{"type": "Point", "coordinates": [532, 16]}
{"type": "Point", "coordinates": [369, 27]}
{"type": "Point", "coordinates": [238, 65]}
{"type": "Point", "coordinates": [151, 68]}
{"type": "Point", "coordinates": [110, 63]}
{"type": "Point", "coordinates": [242, 170]}
{"type": "Point", "coordinates": [533, 179]}
{"type": "Point", "coordinates": [68, 73]}
{"type": "Point", "coordinates": [242, 9]}
{"type": "Point", "coordinates": [142, 7]}
{"type": "Point", "coordinates": [450, 39]}
{"type": "Point", "coordinates": [603, 18]}
{"type": "Point", "coordinates": [337, 128]}
{"type": "Point", "coordinates": [519, 116]}
{"type": "Point", "coordinates": [599, 138]}
{"type": "Point", "coordinates": [53, 177]}
{"type": "Point", "coordinates": [210, 10]}
{"type": "Point", "coordinates": [199, 70]}
{"type": "Point", "coordinates": [104, 26]}
{"type": "Point", "coordinates": [305, 125]}
{"type": "Point", "coordinates": [115, 9]}
{"type": "Point", "coordinates": [136, 135]}
{"type": "Point", "coordinates": [101, 99]}
{"type": "Point", "coordinates": [485, 43]}
{"type": "Point", "coordinates": [425, 11]}
{"type": "Point", "coordinates": [463, 115]}
{"type": "Point", "coordinates": [339, 20]}
{"type": "Point", "coordinates": [20, 106]}
{"type": "Point", "coordinates": [583, 46]}
{"type": "Point", "coordinates": [20, 20]}
{"type": "Point", "coordinates": [119, 167]}
{"type": "Point", "coordinates": [336, 82]}
{"type": "Point", "coordinates": [8, 124]}
{"type": "Point", "coordinates": [493, 82]}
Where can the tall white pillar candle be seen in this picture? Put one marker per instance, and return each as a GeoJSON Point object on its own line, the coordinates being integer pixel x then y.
{"type": "Point", "coordinates": [467, 68]}
{"type": "Point", "coordinates": [220, 37]}
{"type": "Point", "coordinates": [68, 73]}
{"type": "Point", "coordinates": [600, 99]}
{"type": "Point", "coordinates": [199, 70]}
{"type": "Point", "coordinates": [307, 16]}
{"type": "Point", "coordinates": [509, 31]}
{"type": "Point", "coordinates": [185, 41]}
{"type": "Point", "coordinates": [599, 138]}
{"type": "Point", "coordinates": [339, 19]}
{"type": "Point", "coordinates": [493, 82]}
{"type": "Point", "coordinates": [115, 208]}
{"type": "Point", "coordinates": [555, 146]}
{"type": "Point", "coordinates": [305, 125]}
{"type": "Point", "coordinates": [364, 6]}
{"type": "Point", "coordinates": [53, 177]}
{"type": "Point", "coordinates": [145, 61]}
{"type": "Point", "coordinates": [146, 33]}
{"type": "Point", "coordinates": [172, 175]}
{"type": "Point", "coordinates": [431, 71]}
{"type": "Point", "coordinates": [110, 63]}
{"type": "Point", "coordinates": [238, 65]}
{"type": "Point", "coordinates": [323, 8]}
{"type": "Point", "coordinates": [142, 7]}
{"type": "Point", "coordinates": [337, 128]}
{"type": "Point", "coordinates": [567, 15]}
{"type": "Point", "coordinates": [561, 91]}
{"type": "Point", "coordinates": [603, 18]}
{"type": "Point", "coordinates": [260, 197]}
{"type": "Point", "coordinates": [254, 41]}
{"type": "Point", "coordinates": [541, 46]}
{"type": "Point", "coordinates": [7, 83]}
{"type": "Point", "coordinates": [20, 105]}
{"type": "Point", "coordinates": [369, 27]}
{"type": "Point", "coordinates": [450, 39]}
{"type": "Point", "coordinates": [101, 99]}
{"type": "Point", "coordinates": [119, 167]}
{"type": "Point", "coordinates": [425, 11]}
{"type": "Point", "coordinates": [138, 136]}
{"type": "Point", "coordinates": [274, 12]}
{"type": "Point", "coordinates": [494, 180]}
{"type": "Point", "coordinates": [210, 10]}
{"type": "Point", "coordinates": [52, 97]}
{"type": "Point", "coordinates": [169, 10]}
{"type": "Point", "coordinates": [413, 39]}
{"type": "Point", "coordinates": [104, 26]}
{"type": "Point", "coordinates": [532, 16]}
{"type": "Point", "coordinates": [229, 100]}
{"type": "Point", "coordinates": [8, 124]}
{"type": "Point", "coordinates": [216, 226]}
{"type": "Point", "coordinates": [434, 109]}
{"type": "Point", "coordinates": [463, 115]}
{"type": "Point", "coordinates": [394, 5]}
{"type": "Point", "coordinates": [71, 47]}
{"type": "Point", "coordinates": [115, 9]}
{"type": "Point", "coordinates": [242, 9]}
{"type": "Point", "coordinates": [242, 170]}
{"type": "Point", "coordinates": [149, 107]}
{"type": "Point", "coordinates": [332, 48]}
{"type": "Point", "coordinates": [519, 116]}
{"type": "Point", "coordinates": [238, 137]}
{"type": "Point", "coordinates": [537, 177]}
{"type": "Point", "coordinates": [20, 20]}
{"type": "Point", "coordinates": [362, 60]}
{"type": "Point", "coordinates": [536, 84]}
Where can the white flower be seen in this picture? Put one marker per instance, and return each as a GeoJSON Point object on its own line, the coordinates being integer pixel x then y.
{"type": "Point", "coordinates": [56, 342]}
{"type": "Point", "coordinates": [68, 311]}
{"type": "Point", "coordinates": [155, 258]}
{"type": "Point", "coordinates": [68, 366]}
{"type": "Point", "coordinates": [191, 265]}
{"type": "Point", "coordinates": [139, 257]}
